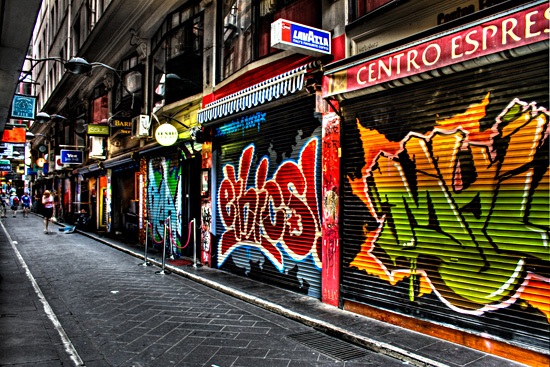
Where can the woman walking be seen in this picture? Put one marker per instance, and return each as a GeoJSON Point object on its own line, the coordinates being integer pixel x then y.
{"type": "Point", "coordinates": [47, 201]}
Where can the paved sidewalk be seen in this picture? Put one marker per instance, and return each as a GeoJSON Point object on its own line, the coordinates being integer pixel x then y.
{"type": "Point", "coordinates": [408, 346]}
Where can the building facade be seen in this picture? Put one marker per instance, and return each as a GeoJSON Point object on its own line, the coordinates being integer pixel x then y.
{"type": "Point", "coordinates": [402, 175]}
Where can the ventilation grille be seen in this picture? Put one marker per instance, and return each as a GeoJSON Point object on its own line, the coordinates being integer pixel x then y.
{"type": "Point", "coordinates": [329, 346]}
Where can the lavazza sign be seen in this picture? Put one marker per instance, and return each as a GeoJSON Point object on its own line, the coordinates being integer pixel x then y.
{"type": "Point", "coordinates": [504, 33]}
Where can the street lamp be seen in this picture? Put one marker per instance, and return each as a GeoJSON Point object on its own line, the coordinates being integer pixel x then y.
{"type": "Point", "coordinates": [35, 62]}
{"type": "Point", "coordinates": [42, 117]}
{"type": "Point", "coordinates": [80, 66]}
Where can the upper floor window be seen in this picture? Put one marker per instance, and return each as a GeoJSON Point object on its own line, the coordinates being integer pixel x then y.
{"type": "Point", "coordinates": [245, 35]}
{"type": "Point", "coordinates": [129, 96]}
{"type": "Point", "coordinates": [362, 7]}
{"type": "Point", "coordinates": [177, 60]}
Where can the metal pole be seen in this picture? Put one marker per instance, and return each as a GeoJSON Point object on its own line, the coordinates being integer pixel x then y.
{"type": "Point", "coordinates": [194, 244]}
{"type": "Point", "coordinates": [145, 262]}
{"type": "Point", "coordinates": [163, 251]}
{"type": "Point", "coordinates": [171, 247]}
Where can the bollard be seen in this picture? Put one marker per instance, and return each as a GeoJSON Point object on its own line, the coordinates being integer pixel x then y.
{"type": "Point", "coordinates": [194, 244]}
{"type": "Point", "coordinates": [163, 271]}
{"type": "Point", "coordinates": [145, 262]}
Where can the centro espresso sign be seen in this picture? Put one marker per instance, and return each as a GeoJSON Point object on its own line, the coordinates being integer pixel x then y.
{"type": "Point", "coordinates": [522, 28]}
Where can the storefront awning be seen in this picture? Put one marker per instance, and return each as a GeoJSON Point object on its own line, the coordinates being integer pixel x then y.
{"type": "Point", "coordinates": [268, 90]}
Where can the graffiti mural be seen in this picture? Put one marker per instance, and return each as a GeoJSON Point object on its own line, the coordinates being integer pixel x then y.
{"type": "Point", "coordinates": [278, 216]}
{"type": "Point", "coordinates": [164, 201]}
{"type": "Point", "coordinates": [461, 205]}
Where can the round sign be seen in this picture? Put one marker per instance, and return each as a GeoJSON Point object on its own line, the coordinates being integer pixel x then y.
{"type": "Point", "coordinates": [166, 134]}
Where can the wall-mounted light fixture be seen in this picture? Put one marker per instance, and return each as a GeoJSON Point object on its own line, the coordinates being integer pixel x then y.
{"type": "Point", "coordinates": [80, 66]}
{"type": "Point", "coordinates": [35, 62]}
{"type": "Point", "coordinates": [43, 117]}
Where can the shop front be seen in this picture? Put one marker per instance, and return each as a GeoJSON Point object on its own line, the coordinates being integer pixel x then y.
{"type": "Point", "coordinates": [265, 153]}
{"type": "Point", "coordinates": [446, 184]}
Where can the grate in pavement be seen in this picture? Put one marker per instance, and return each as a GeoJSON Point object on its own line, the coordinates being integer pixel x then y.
{"type": "Point", "coordinates": [329, 346]}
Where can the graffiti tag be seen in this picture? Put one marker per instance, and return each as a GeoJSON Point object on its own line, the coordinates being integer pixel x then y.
{"type": "Point", "coordinates": [460, 201]}
{"type": "Point", "coordinates": [277, 216]}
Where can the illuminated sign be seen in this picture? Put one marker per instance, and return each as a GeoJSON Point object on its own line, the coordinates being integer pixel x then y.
{"type": "Point", "coordinates": [23, 107]}
{"type": "Point", "coordinates": [122, 127]}
{"type": "Point", "coordinates": [166, 134]}
{"type": "Point", "coordinates": [300, 38]}
{"type": "Point", "coordinates": [95, 130]}
{"type": "Point", "coordinates": [5, 165]}
{"type": "Point", "coordinates": [71, 156]}
{"type": "Point", "coordinates": [480, 39]}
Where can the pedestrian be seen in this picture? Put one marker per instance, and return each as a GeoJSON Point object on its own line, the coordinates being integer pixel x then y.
{"type": "Point", "coordinates": [3, 204]}
{"type": "Point", "coordinates": [14, 203]}
{"type": "Point", "coordinates": [26, 204]}
{"type": "Point", "coordinates": [47, 202]}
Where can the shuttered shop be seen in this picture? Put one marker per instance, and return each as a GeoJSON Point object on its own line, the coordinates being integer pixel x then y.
{"type": "Point", "coordinates": [268, 184]}
{"type": "Point", "coordinates": [164, 201]}
{"type": "Point", "coordinates": [445, 202]}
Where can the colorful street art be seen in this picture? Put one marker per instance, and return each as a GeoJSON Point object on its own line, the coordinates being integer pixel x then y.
{"type": "Point", "coordinates": [277, 216]}
{"type": "Point", "coordinates": [466, 209]}
{"type": "Point", "coordinates": [164, 201]}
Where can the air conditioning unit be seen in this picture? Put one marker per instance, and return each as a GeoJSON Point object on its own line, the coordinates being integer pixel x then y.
{"type": "Point", "coordinates": [140, 126]}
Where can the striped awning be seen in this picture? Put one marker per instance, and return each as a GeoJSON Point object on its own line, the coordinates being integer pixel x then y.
{"type": "Point", "coordinates": [268, 90]}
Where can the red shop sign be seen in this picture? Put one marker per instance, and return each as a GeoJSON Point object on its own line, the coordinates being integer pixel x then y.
{"type": "Point", "coordinates": [506, 32]}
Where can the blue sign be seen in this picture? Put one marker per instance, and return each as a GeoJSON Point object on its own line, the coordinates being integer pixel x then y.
{"type": "Point", "coordinates": [71, 156]}
{"type": "Point", "coordinates": [300, 38]}
{"type": "Point", "coordinates": [23, 107]}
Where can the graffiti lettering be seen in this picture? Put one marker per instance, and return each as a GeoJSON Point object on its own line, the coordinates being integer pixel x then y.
{"type": "Point", "coordinates": [242, 124]}
{"type": "Point", "coordinates": [276, 216]}
{"type": "Point", "coordinates": [431, 202]}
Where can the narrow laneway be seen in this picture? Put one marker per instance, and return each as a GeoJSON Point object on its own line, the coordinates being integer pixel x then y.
{"type": "Point", "coordinates": [112, 312]}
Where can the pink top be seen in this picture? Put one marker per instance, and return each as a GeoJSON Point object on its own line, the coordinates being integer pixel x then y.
{"type": "Point", "coordinates": [47, 201]}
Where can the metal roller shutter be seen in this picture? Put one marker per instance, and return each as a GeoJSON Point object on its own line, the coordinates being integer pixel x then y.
{"type": "Point", "coordinates": [164, 200]}
{"type": "Point", "coordinates": [446, 197]}
{"type": "Point", "coordinates": [268, 190]}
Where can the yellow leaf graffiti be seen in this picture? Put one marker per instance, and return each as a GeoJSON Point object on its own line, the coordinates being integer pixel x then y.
{"type": "Point", "coordinates": [468, 240]}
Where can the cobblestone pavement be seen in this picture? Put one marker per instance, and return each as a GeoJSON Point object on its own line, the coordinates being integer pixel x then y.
{"type": "Point", "coordinates": [112, 312]}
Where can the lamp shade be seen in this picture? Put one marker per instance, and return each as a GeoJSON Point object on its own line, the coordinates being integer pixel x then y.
{"type": "Point", "coordinates": [42, 117]}
{"type": "Point", "coordinates": [78, 65]}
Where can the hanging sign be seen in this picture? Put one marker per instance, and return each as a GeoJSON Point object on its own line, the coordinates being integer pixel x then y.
{"type": "Point", "coordinates": [71, 156]}
{"type": "Point", "coordinates": [98, 130]}
{"type": "Point", "coordinates": [300, 38]}
{"type": "Point", "coordinates": [5, 165]}
{"type": "Point", "coordinates": [23, 107]}
{"type": "Point", "coordinates": [166, 134]}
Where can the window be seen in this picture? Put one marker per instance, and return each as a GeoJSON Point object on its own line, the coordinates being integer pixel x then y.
{"type": "Point", "coordinates": [130, 95]}
{"type": "Point", "coordinates": [245, 36]}
{"type": "Point", "coordinates": [177, 55]}
{"type": "Point", "coordinates": [100, 109]}
{"type": "Point", "coordinates": [362, 7]}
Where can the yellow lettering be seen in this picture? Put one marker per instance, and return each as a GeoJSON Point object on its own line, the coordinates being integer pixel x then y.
{"type": "Point", "coordinates": [471, 42]}
{"type": "Point", "coordinates": [437, 49]}
{"type": "Point", "coordinates": [512, 23]}
{"type": "Point", "coordinates": [359, 81]}
{"type": "Point", "coordinates": [528, 24]}
{"type": "Point", "coordinates": [454, 46]}
{"type": "Point", "coordinates": [371, 72]}
{"type": "Point", "coordinates": [411, 56]}
{"type": "Point", "coordinates": [398, 62]}
{"type": "Point", "coordinates": [486, 36]}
